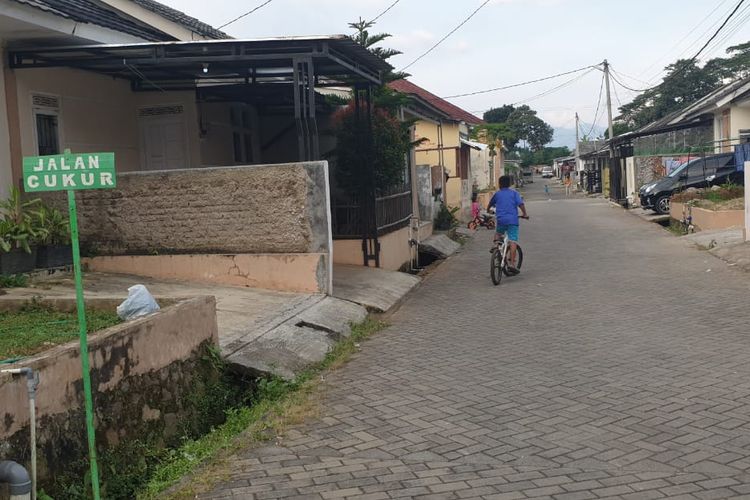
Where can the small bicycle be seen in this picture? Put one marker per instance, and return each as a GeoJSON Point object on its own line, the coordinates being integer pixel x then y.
{"type": "Point", "coordinates": [500, 259]}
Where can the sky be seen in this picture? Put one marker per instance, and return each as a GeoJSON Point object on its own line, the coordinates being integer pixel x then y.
{"type": "Point", "coordinates": [510, 41]}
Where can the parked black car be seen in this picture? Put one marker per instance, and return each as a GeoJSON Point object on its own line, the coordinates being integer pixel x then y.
{"type": "Point", "coordinates": [699, 173]}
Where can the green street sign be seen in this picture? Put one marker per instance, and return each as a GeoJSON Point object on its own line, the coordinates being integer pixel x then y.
{"type": "Point", "coordinates": [69, 171]}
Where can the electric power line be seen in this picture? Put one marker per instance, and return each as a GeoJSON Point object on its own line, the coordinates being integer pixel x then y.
{"type": "Point", "coordinates": [446, 36]}
{"type": "Point", "coordinates": [687, 34]}
{"type": "Point", "coordinates": [518, 84]}
{"type": "Point", "coordinates": [738, 24]}
{"type": "Point", "coordinates": [614, 76]}
{"type": "Point", "coordinates": [598, 104]}
{"type": "Point", "coordinates": [245, 14]}
{"type": "Point", "coordinates": [554, 89]}
{"type": "Point", "coordinates": [700, 51]}
{"type": "Point", "coordinates": [385, 11]}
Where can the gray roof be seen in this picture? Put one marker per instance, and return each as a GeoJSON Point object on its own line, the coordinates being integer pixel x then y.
{"type": "Point", "coordinates": [178, 17]}
{"type": "Point", "coordinates": [92, 12]}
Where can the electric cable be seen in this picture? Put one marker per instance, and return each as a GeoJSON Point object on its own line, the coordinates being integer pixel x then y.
{"type": "Point", "coordinates": [553, 89]}
{"type": "Point", "coordinates": [598, 104]}
{"type": "Point", "coordinates": [245, 14]}
{"type": "Point", "coordinates": [690, 61]}
{"type": "Point", "coordinates": [687, 34]}
{"type": "Point", "coordinates": [386, 11]}
{"type": "Point", "coordinates": [446, 36]}
{"type": "Point", "coordinates": [486, 91]}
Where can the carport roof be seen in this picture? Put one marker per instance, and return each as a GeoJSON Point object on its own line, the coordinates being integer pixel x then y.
{"type": "Point", "coordinates": [170, 65]}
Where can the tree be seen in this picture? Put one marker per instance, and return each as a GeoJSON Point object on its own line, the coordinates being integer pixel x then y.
{"type": "Point", "coordinates": [498, 115]}
{"type": "Point", "coordinates": [684, 84]}
{"type": "Point", "coordinates": [495, 131]}
{"type": "Point", "coordinates": [362, 36]}
{"type": "Point", "coordinates": [529, 127]}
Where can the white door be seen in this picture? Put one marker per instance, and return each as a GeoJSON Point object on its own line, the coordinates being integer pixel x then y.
{"type": "Point", "coordinates": [164, 142]}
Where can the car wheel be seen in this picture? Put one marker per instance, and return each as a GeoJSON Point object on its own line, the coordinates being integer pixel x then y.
{"type": "Point", "coordinates": [661, 205]}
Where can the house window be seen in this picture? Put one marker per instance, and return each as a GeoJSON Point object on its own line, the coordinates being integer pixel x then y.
{"type": "Point", "coordinates": [47, 134]}
{"type": "Point", "coordinates": [46, 111]}
{"type": "Point", "coordinates": [242, 136]}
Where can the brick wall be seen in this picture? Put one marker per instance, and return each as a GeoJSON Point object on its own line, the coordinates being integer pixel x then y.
{"type": "Point", "coordinates": [253, 209]}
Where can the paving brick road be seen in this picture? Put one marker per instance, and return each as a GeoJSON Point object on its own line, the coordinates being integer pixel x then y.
{"type": "Point", "coordinates": [617, 365]}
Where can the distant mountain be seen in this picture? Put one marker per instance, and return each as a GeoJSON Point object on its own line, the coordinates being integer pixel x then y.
{"type": "Point", "coordinates": [567, 136]}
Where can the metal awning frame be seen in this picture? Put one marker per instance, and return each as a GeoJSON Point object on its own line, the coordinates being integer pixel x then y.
{"type": "Point", "coordinates": [161, 65]}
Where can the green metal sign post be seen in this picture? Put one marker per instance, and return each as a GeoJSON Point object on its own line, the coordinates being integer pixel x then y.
{"type": "Point", "coordinates": [70, 172]}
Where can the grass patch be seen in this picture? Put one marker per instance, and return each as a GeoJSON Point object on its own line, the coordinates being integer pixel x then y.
{"type": "Point", "coordinates": [36, 328]}
{"type": "Point", "coordinates": [676, 227]}
{"type": "Point", "coordinates": [277, 405]}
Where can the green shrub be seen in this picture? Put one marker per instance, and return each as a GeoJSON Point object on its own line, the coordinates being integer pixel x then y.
{"type": "Point", "coordinates": [446, 218]}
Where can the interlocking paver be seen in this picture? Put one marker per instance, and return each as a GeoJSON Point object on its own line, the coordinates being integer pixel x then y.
{"type": "Point", "coordinates": [614, 366]}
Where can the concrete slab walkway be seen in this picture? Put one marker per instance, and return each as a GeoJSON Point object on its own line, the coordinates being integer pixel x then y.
{"type": "Point", "coordinates": [615, 366]}
{"type": "Point", "coordinates": [378, 290]}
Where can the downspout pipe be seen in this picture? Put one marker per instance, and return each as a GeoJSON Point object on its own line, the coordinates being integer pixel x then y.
{"type": "Point", "coordinates": [17, 477]}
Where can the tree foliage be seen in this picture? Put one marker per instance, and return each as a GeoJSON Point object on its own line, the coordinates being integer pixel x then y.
{"type": "Point", "coordinates": [529, 127]}
{"type": "Point", "coordinates": [363, 37]}
{"type": "Point", "coordinates": [391, 143]}
{"type": "Point", "coordinates": [498, 115]}
{"type": "Point", "coordinates": [542, 156]}
{"type": "Point", "coordinates": [686, 82]}
{"type": "Point", "coordinates": [514, 124]}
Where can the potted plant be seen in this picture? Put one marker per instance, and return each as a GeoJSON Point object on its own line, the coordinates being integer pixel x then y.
{"type": "Point", "coordinates": [18, 236]}
{"type": "Point", "coordinates": [54, 238]}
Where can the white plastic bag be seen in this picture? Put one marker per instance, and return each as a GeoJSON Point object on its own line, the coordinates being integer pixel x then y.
{"type": "Point", "coordinates": [139, 303]}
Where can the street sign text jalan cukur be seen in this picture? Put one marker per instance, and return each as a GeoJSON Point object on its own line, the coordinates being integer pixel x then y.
{"type": "Point", "coordinates": [69, 172]}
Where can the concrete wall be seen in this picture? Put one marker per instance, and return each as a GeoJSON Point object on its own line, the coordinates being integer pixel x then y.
{"type": "Point", "coordinates": [278, 209]}
{"type": "Point", "coordinates": [480, 168]}
{"type": "Point", "coordinates": [706, 220]}
{"type": "Point", "coordinates": [142, 372]}
{"type": "Point", "coordinates": [425, 198]}
{"type": "Point", "coordinates": [395, 251]}
{"type": "Point", "coordinates": [302, 273]}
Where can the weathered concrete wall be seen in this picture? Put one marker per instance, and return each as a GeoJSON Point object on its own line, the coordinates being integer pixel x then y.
{"type": "Point", "coordinates": [249, 209]}
{"type": "Point", "coordinates": [266, 209]}
{"type": "Point", "coordinates": [707, 220]}
{"type": "Point", "coordinates": [303, 273]}
{"type": "Point", "coordinates": [426, 199]}
{"type": "Point", "coordinates": [143, 372]}
{"type": "Point", "coordinates": [395, 251]}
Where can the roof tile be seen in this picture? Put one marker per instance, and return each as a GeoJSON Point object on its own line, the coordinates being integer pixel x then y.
{"type": "Point", "coordinates": [456, 113]}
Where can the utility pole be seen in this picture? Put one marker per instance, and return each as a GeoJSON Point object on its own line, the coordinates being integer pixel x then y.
{"type": "Point", "coordinates": [578, 153]}
{"type": "Point", "coordinates": [609, 104]}
{"type": "Point", "coordinates": [578, 150]}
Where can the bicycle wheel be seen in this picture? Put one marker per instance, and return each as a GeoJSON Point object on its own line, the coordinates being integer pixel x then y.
{"type": "Point", "coordinates": [519, 259]}
{"type": "Point", "coordinates": [472, 225]}
{"type": "Point", "coordinates": [495, 263]}
{"type": "Point", "coordinates": [491, 224]}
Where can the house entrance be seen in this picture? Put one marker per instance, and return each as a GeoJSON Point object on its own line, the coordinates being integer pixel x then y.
{"type": "Point", "coordinates": [163, 138]}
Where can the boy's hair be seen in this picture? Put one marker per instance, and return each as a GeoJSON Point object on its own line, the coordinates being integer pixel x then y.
{"type": "Point", "coordinates": [504, 181]}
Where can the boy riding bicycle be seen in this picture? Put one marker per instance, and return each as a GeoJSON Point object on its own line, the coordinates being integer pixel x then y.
{"type": "Point", "coordinates": [507, 201]}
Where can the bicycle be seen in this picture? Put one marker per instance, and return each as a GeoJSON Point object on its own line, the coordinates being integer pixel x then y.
{"type": "Point", "coordinates": [501, 256]}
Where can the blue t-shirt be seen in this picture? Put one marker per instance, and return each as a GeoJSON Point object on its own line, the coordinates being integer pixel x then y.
{"type": "Point", "coordinates": [506, 203]}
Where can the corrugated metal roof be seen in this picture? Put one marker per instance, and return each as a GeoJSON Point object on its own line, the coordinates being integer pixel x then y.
{"type": "Point", "coordinates": [456, 113]}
